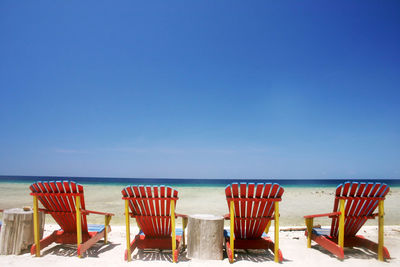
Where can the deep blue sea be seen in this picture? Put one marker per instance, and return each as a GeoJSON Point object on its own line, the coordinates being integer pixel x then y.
{"type": "Point", "coordinates": [192, 181]}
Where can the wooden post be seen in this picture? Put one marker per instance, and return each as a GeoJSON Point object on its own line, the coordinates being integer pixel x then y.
{"type": "Point", "coordinates": [21, 228]}
{"type": "Point", "coordinates": [78, 222]}
{"type": "Point", "coordinates": [205, 237]}
{"type": "Point", "coordinates": [173, 229]}
{"type": "Point", "coordinates": [309, 225]}
{"type": "Point", "coordinates": [380, 235]}
{"type": "Point", "coordinates": [128, 231]}
{"type": "Point", "coordinates": [36, 225]}
{"type": "Point", "coordinates": [341, 224]}
{"type": "Point", "coordinates": [276, 249]}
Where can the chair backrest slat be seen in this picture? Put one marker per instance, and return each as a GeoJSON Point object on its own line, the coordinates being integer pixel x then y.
{"type": "Point", "coordinates": [159, 228]}
{"type": "Point", "coordinates": [139, 203]}
{"type": "Point", "coordinates": [369, 207]}
{"type": "Point", "coordinates": [353, 207]}
{"type": "Point", "coordinates": [242, 212]}
{"type": "Point", "coordinates": [163, 213]}
{"type": "Point", "coordinates": [359, 211]}
{"type": "Point", "coordinates": [168, 209]}
{"type": "Point", "coordinates": [360, 203]}
{"type": "Point", "coordinates": [276, 191]}
{"type": "Point", "coordinates": [151, 206]}
{"type": "Point", "coordinates": [264, 207]}
{"type": "Point", "coordinates": [58, 198]}
{"type": "Point", "coordinates": [249, 212]}
{"type": "Point", "coordinates": [67, 222]}
{"type": "Point", "coordinates": [153, 219]}
{"type": "Point", "coordinates": [252, 214]}
{"type": "Point", "coordinates": [256, 211]}
{"type": "Point", "coordinates": [69, 203]}
{"type": "Point", "coordinates": [146, 207]}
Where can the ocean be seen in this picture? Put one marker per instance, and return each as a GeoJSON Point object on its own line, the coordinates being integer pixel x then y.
{"type": "Point", "coordinates": [200, 196]}
{"type": "Point", "coordinates": [193, 181]}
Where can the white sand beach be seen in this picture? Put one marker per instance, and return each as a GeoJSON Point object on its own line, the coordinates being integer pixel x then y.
{"type": "Point", "coordinates": [296, 203]}
{"type": "Point", "coordinates": [292, 244]}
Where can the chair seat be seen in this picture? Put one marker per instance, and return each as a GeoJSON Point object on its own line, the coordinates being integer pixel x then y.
{"type": "Point", "coordinates": [95, 227]}
{"type": "Point", "coordinates": [227, 234]}
{"type": "Point", "coordinates": [321, 231]}
{"type": "Point", "coordinates": [178, 232]}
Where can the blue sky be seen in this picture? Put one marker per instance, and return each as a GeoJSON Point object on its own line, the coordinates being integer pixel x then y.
{"type": "Point", "coordinates": [205, 89]}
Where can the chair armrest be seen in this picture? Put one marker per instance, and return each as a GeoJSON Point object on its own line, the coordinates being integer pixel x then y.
{"type": "Point", "coordinates": [181, 215]}
{"type": "Point", "coordinates": [98, 212]}
{"type": "Point", "coordinates": [373, 215]}
{"type": "Point", "coordinates": [322, 215]}
{"type": "Point", "coordinates": [227, 216]}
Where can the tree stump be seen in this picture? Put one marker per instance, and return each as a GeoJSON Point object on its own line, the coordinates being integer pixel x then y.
{"type": "Point", "coordinates": [17, 230]}
{"type": "Point", "coordinates": [205, 237]}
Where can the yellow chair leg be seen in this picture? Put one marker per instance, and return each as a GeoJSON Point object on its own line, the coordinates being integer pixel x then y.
{"type": "Point", "coordinates": [107, 220]}
{"type": "Point", "coordinates": [78, 221]}
{"type": "Point", "coordinates": [232, 220]}
{"type": "Point", "coordinates": [184, 225]}
{"type": "Point", "coordinates": [309, 224]}
{"type": "Point", "coordinates": [173, 229]}
{"type": "Point", "coordinates": [276, 249]}
{"type": "Point", "coordinates": [341, 224]}
{"type": "Point", "coordinates": [128, 231]}
{"type": "Point", "coordinates": [266, 230]}
{"type": "Point", "coordinates": [36, 225]}
{"type": "Point", "coordinates": [380, 235]}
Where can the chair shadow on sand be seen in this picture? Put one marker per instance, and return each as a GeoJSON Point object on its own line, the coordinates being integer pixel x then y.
{"type": "Point", "coordinates": [254, 255]}
{"type": "Point", "coordinates": [350, 252]}
{"type": "Point", "coordinates": [158, 255]}
{"type": "Point", "coordinates": [70, 250]}
{"type": "Point", "coordinates": [165, 255]}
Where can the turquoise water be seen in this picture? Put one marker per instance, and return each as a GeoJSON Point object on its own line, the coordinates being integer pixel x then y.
{"type": "Point", "coordinates": [194, 182]}
{"type": "Point", "coordinates": [196, 196]}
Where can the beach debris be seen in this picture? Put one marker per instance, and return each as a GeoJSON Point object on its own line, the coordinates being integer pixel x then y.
{"type": "Point", "coordinates": [298, 228]}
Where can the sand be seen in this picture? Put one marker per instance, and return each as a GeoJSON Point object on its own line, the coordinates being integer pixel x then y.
{"type": "Point", "coordinates": [292, 244]}
{"type": "Point", "coordinates": [296, 203]}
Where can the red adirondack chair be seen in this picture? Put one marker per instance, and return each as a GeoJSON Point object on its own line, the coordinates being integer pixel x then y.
{"type": "Point", "coordinates": [64, 201]}
{"type": "Point", "coordinates": [154, 210]}
{"type": "Point", "coordinates": [354, 204]}
{"type": "Point", "coordinates": [251, 209]}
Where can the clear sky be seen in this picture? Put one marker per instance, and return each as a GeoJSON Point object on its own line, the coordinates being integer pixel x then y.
{"type": "Point", "coordinates": [202, 89]}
